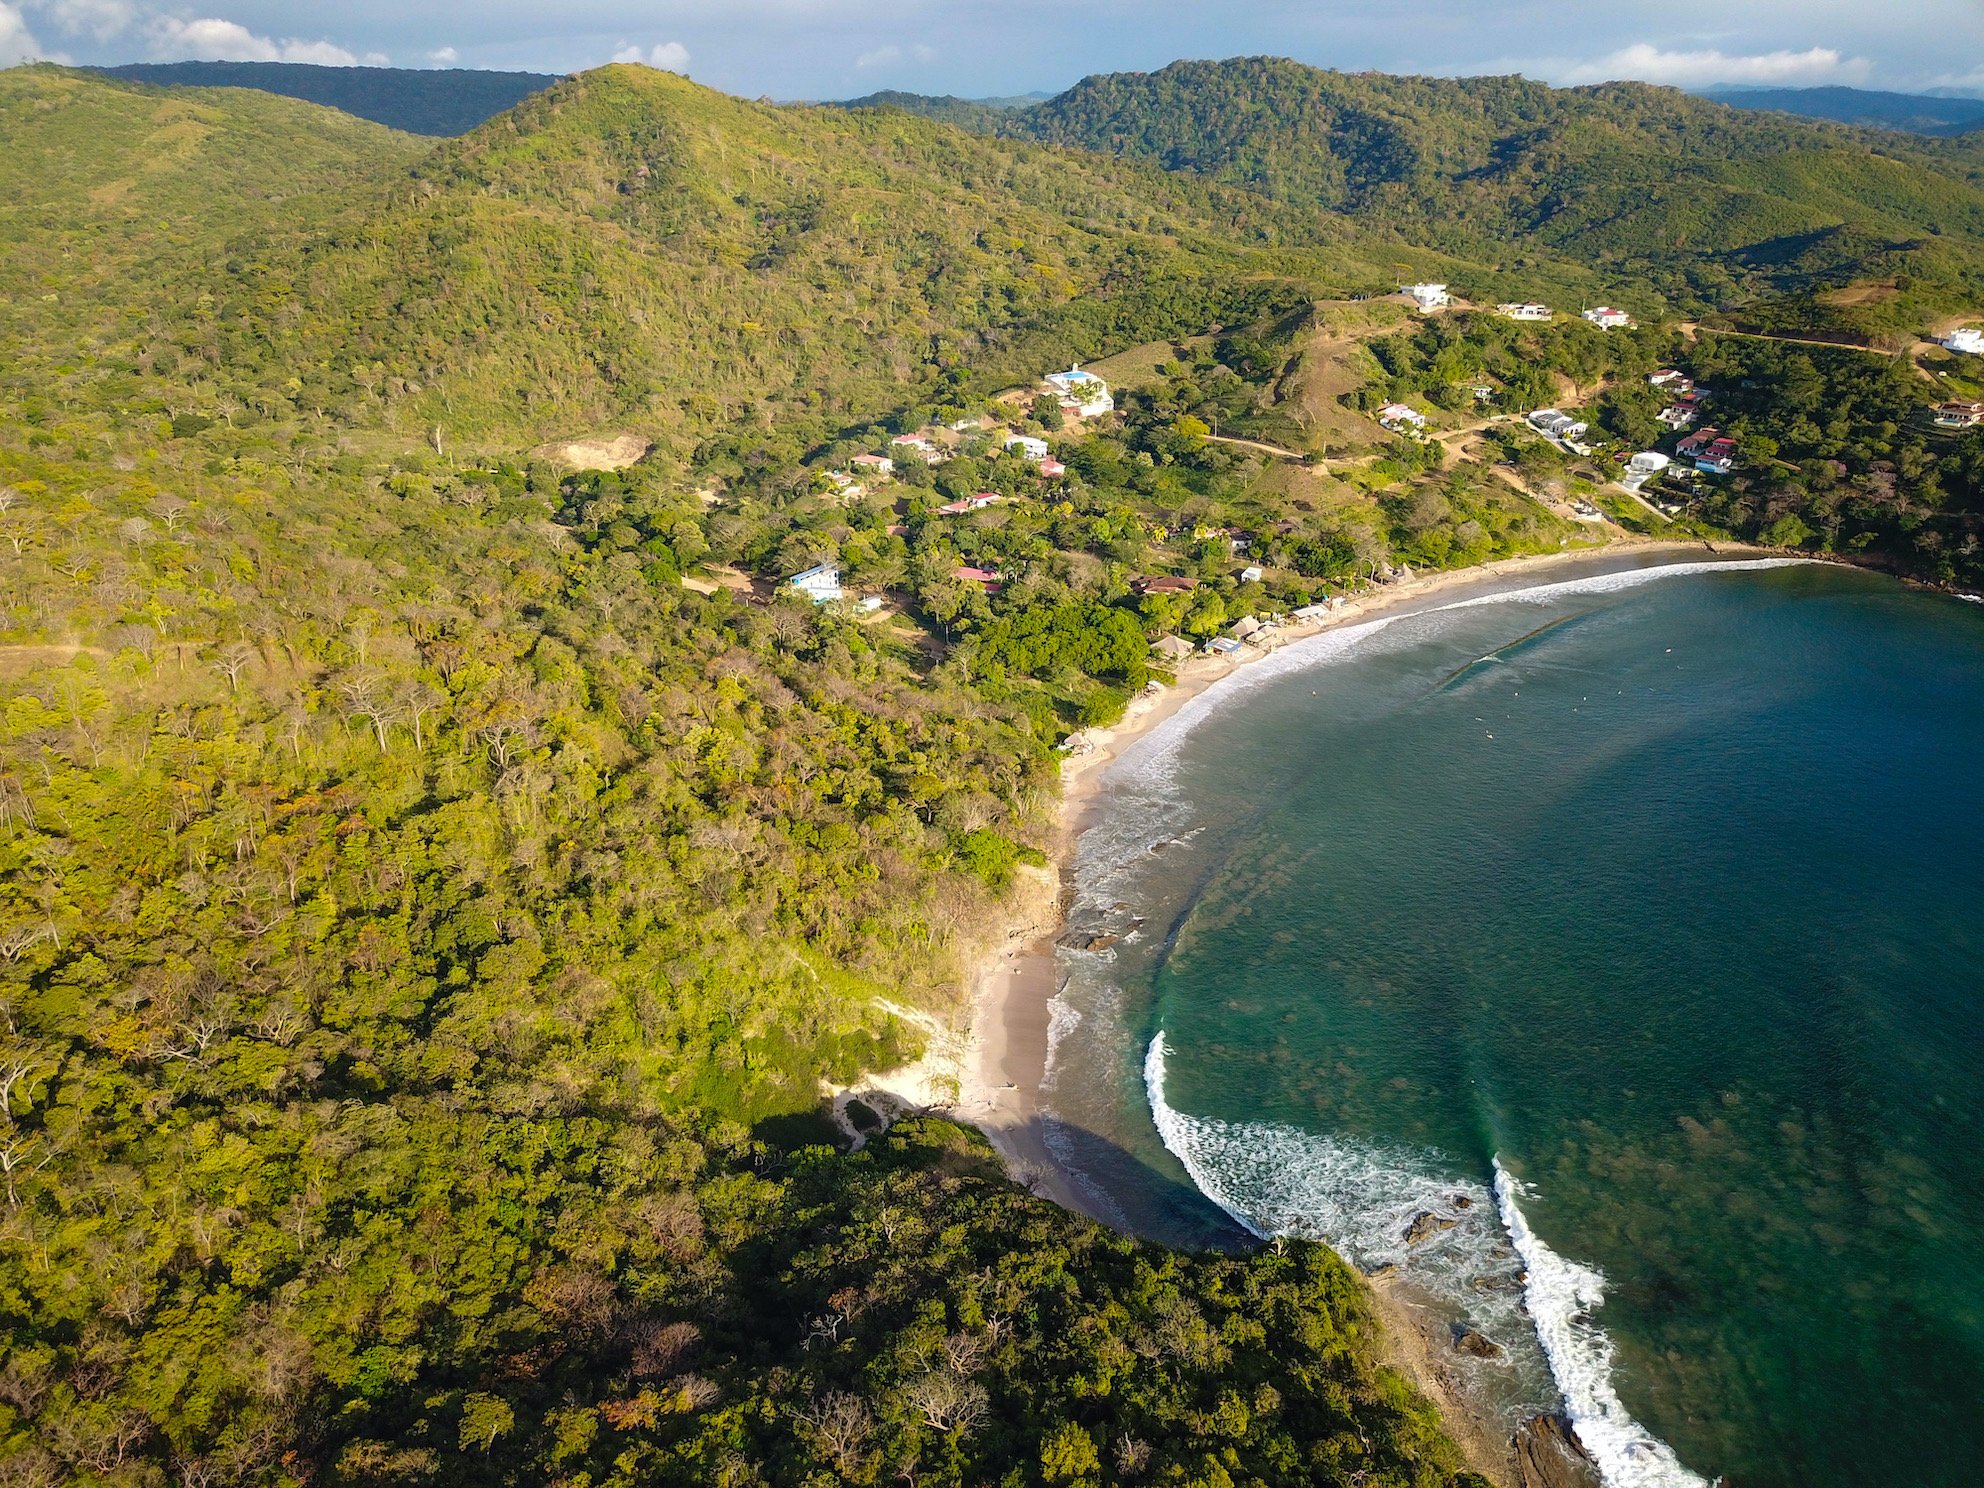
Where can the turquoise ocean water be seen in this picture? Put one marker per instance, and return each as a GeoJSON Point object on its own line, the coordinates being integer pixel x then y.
{"type": "Point", "coordinates": [1632, 928]}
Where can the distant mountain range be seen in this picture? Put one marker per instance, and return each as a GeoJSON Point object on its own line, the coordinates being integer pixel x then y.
{"type": "Point", "coordinates": [419, 101]}
{"type": "Point", "coordinates": [1919, 113]}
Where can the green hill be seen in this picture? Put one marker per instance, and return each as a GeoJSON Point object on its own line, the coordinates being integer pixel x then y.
{"type": "Point", "coordinates": [1662, 194]}
{"type": "Point", "coordinates": [438, 101]}
{"type": "Point", "coordinates": [107, 189]}
{"type": "Point", "coordinates": [630, 246]}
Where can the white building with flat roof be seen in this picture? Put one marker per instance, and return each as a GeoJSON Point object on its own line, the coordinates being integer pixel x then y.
{"type": "Point", "coordinates": [1427, 296]}
{"type": "Point", "coordinates": [821, 583]}
{"type": "Point", "coordinates": [1082, 393]}
{"type": "Point", "coordinates": [1969, 341]}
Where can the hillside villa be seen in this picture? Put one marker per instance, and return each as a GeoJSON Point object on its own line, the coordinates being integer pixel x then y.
{"type": "Point", "coordinates": [1052, 468]}
{"type": "Point", "coordinates": [977, 502]}
{"type": "Point", "coordinates": [1401, 419]}
{"type": "Point", "coordinates": [1030, 448]}
{"type": "Point", "coordinates": [1959, 415]}
{"type": "Point", "coordinates": [1554, 423]}
{"type": "Point", "coordinates": [1428, 297]}
{"type": "Point", "coordinates": [1678, 383]}
{"type": "Point", "coordinates": [1608, 319]}
{"type": "Point", "coordinates": [1149, 584]}
{"type": "Point", "coordinates": [1082, 393]}
{"type": "Point", "coordinates": [1969, 341]}
{"type": "Point", "coordinates": [1712, 452]}
{"type": "Point", "coordinates": [919, 446]}
{"type": "Point", "coordinates": [1682, 413]}
{"type": "Point", "coordinates": [820, 583]}
{"type": "Point", "coordinates": [874, 464]}
{"type": "Point", "coordinates": [1528, 310]}
{"type": "Point", "coordinates": [984, 578]}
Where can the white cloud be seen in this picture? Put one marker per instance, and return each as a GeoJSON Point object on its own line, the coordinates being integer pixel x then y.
{"type": "Point", "coordinates": [1652, 64]}
{"type": "Point", "coordinates": [17, 43]}
{"type": "Point", "coordinates": [886, 56]}
{"type": "Point", "coordinates": [669, 56]}
{"type": "Point", "coordinates": [102, 19]}
{"type": "Point", "coordinates": [444, 57]}
{"type": "Point", "coordinates": [211, 39]}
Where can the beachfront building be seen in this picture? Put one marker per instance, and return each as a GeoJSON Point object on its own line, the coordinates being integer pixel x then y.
{"type": "Point", "coordinates": [1029, 448]}
{"type": "Point", "coordinates": [1082, 393]}
{"type": "Point", "coordinates": [1527, 310]}
{"type": "Point", "coordinates": [1170, 650]}
{"type": "Point", "coordinates": [1428, 297]}
{"type": "Point", "coordinates": [1969, 341]}
{"type": "Point", "coordinates": [1608, 319]}
{"type": "Point", "coordinates": [821, 583]}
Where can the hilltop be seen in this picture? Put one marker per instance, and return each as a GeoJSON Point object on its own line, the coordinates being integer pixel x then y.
{"type": "Point", "coordinates": [435, 101]}
{"type": "Point", "coordinates": [1671, 200]}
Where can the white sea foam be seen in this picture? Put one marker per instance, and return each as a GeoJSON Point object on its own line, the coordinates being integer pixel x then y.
{"type": "Point", "coordinates": [1063, 1018]}
{"type": "Point", "coordinates": [1361, 1199]}
{"type": "Point", "coordinates": [1561, 1295]}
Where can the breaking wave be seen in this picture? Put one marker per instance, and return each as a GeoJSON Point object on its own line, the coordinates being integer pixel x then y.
{"type": "Point", "coordinates": [1562, 1295]}
{"type": "Point", "coordinates": [1477, 1256]}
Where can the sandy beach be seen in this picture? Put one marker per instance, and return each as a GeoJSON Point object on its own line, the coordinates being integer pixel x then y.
{"type": "Point", "coordinates": [990, 1073]}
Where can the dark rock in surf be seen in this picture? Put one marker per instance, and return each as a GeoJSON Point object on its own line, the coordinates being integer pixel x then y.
{"type": "Point", "coordinates": [1475, 1345]}
{"type": "Point", "coordinates": [1426, 1225]}
{"type": "Point", "coordinates": [1549, 1455]}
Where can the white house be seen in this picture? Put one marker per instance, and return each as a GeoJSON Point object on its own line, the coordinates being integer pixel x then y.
{"type": "Point", "coordinates": [1608, 319]}
{"type": "Point", "coordinates": [1399, 416]}
{"type": "Point", "coordinates": [1082, 392]}
{"type": "Point", "coordinates": [1648, 462]}
{"type": "Point", "coordinates": [1969, 341]}
{"type": "Point", "coordinates": [1678, 383]}
{"type": "Point", "coordinates": [821, 583]}
{"type": "Point", "coordinates": [1528, 310]}
{"type": "Point", "coordinates": [921, 447]}
{"type": "Point", "coordinates": [1427, 296]}
{"type": "Point", "coordinates": [874, 464]}
{"type": "Point", "coordinates": [1253, 573]}
{"type": "Point", "coordinates": [1556, 424]}
{"type": "Point", "coordinates": [1029, 447]}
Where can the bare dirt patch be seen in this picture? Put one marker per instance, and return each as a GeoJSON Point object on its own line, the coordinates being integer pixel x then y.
{"type": "Point", "coordinates": [614, 452]}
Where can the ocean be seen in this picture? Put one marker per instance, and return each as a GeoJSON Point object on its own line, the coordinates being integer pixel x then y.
{"type": "Point", "coordinates": [1620, 940]}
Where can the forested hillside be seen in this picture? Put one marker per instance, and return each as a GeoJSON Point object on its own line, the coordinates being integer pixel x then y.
{"type": "Point", "coordinates": [1691, 202]}
{"type": "Point", "coordinates": [435, 881]}
{"type": "Point", "coordinates": [435, 101]}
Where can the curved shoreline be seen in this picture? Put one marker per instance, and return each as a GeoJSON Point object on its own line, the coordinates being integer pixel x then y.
{"type": "Point", "coordinates": [994, 1081]}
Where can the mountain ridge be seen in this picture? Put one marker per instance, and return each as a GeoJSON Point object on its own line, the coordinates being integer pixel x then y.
{"type": "Point", "coordinates": [430, 101]}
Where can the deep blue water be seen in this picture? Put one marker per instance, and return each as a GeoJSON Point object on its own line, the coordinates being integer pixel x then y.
{"type": "Point", "coordinates": [1636, 928]}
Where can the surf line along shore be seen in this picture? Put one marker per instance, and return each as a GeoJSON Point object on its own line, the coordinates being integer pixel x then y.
{"type": "Point", "coordinates": [989, 1074]}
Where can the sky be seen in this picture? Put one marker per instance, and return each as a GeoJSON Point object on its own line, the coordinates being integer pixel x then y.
{"type": "Point", "coordinates": [792, 49]}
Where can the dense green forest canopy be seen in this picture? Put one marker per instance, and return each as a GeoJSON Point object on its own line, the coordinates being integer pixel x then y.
{"type": "Point", "coordinates": [1687, 200]}
{"type": "Point", "coordinates": [435, 881]}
